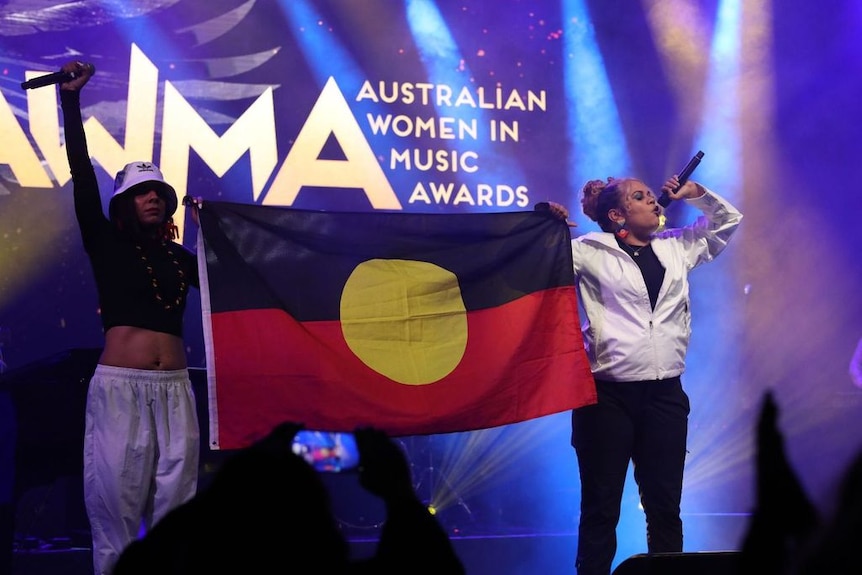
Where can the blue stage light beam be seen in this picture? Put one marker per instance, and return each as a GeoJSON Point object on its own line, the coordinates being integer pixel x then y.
{"type": "Point", "coordinates": [716, 445]}
{"type": "Point", "coordinates": [599, 147]}
{"type": "Point", "coordinates": [323, 52]}
{"type": "Point", "coordinates": [445, 65]}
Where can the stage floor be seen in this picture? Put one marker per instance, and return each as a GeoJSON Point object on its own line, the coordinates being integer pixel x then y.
{"type": "Point", "coordinates": [482, 554]}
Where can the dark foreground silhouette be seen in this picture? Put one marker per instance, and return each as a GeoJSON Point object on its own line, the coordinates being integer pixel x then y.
{"type": "Point", "coordinates": [268, 511]}
{"type": "Point", "coordinates": [786, 534]}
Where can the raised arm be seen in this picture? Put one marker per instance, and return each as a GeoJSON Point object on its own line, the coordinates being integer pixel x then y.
{"type": "Point", "coordinates": [88, 202]}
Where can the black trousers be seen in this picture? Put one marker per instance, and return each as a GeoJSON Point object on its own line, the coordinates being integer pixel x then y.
{"type": "Point", "coordinates": [645, 422]}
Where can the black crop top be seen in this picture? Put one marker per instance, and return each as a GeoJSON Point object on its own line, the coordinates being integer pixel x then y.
{"type": "Point", "coordinates": [141, 283]}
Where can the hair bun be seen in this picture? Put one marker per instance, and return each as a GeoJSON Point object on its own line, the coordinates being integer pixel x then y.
{"type": "Point", "coordinates": [593, 187]}
{"type": "Point", "coordinates": [589, 196]}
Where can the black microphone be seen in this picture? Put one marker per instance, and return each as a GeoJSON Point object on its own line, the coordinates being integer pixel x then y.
{"type": "Point", "coordinates": [55, 78]}
{"type": "Point", "coordinates": [686, 172]}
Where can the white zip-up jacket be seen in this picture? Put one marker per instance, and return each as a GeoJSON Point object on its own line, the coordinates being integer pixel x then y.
{"type": "Point", "coordinates": [625, 339]}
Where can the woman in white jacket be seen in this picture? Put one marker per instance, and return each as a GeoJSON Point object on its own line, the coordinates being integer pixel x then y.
{"type": "Point", "coordinates": [633, 285]}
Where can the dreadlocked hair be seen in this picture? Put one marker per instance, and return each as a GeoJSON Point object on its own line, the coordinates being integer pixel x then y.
{"type": "Point", "coordinates": [169, 231]}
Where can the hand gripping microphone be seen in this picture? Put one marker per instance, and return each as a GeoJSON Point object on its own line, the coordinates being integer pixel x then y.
{"type": "Point", "coordinates": [686, 172]}
{"type": "Point", "coordinates": [55, 78]}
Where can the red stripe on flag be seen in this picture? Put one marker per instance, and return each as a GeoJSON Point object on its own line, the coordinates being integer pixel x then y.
{"type": "Point", "coordinates": [523, 360]}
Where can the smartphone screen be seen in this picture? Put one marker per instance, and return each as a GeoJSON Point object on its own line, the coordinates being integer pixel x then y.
{"type": "Point", "coordinates": [327, 450]}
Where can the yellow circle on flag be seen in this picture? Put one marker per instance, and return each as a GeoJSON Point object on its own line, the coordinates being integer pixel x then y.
{"type": "Point", "coordinates": [405, 319]}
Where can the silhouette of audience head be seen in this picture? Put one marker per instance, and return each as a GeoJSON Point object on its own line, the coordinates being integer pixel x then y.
{"type": "Point", "coordinates": [268, 510]}
{"type": "Point", "coordinates": [265, 507]}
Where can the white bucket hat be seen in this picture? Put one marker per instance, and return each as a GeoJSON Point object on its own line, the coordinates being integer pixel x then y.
{"type": "Point", "coordinates": [144, 174]}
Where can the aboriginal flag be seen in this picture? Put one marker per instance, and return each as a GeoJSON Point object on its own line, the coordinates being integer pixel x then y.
{"type": "Point", "coordinates": [412, 323]}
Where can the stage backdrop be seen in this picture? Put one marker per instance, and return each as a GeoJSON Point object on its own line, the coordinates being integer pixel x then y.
{"type": "Point", "coordinates": [482, 106]}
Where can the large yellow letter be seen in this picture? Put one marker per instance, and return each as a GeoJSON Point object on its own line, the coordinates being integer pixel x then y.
{"type": "Point", "coordinates": [17, 152]}
{"type": "Point", "coordinates": [184, 129]}
{"type": "Point", "coordinates": [303, 166]}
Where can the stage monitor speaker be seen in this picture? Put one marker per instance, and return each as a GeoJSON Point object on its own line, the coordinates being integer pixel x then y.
{"type": "Point", "coordinates": [692, 563]}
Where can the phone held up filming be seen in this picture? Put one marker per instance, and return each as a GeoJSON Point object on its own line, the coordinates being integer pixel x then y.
{"type": "Point", "coordinates": [327, 450]}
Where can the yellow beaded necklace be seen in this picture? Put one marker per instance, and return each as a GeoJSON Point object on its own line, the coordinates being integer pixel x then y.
{"type": "Point", "coordinates": [178, 301]}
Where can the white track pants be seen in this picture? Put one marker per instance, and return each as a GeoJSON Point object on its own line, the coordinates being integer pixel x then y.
{"type": "Point", "coordinates": [141, 452]}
